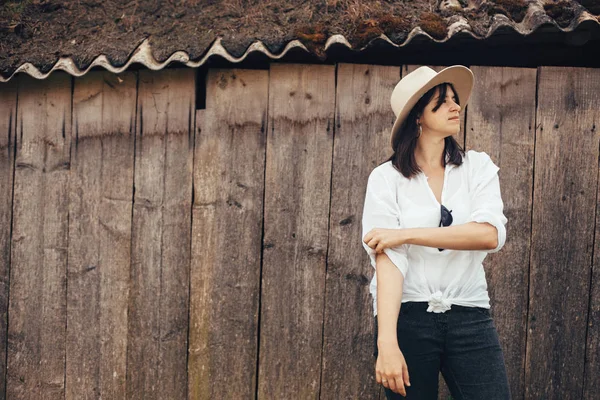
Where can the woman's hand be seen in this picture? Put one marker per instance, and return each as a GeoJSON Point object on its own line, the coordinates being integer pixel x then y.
{"type": "Point", "coordinates": [391, 369]}
{"type": "Point", "coordinates": [382, 238]}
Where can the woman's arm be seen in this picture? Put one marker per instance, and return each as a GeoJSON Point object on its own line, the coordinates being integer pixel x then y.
{"type": "Point", "coordinates": [390, 369]}
{"type": "Point", "coordinates": [381, 211]}
{"type": "Point", "coordinates": [469, 236]}
{"type": "Point", "coordinates": [390, 283]}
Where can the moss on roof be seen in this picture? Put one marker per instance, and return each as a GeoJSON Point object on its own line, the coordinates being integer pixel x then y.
{"type": "Point", "coordinates": [42, 31]}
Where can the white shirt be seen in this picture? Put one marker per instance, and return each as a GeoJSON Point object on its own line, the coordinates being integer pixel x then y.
{"type": "Point", "coordinates": [442, 278]}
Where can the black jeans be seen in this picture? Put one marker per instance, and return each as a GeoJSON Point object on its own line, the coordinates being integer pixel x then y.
{"type": "Point", "coordinates": [462, 343]}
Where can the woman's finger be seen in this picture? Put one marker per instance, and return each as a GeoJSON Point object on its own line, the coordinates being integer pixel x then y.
{"type": "Point", "coordinates": [406, 376]}
{"type": "Point", "coordinates": [372, 243]}
{"type": "Point", "coordinates": [370, 235]}
{"type": "Point", "coordinates": [392, 383]}
{"type": "Point", "coordinates": [399, 383]}
{"type": "Point", "coordinates": [378, 376]}
{"type": "Point", "coordinates": [385, 382]}
{"type": "Point", "coordinates": [367, 237]}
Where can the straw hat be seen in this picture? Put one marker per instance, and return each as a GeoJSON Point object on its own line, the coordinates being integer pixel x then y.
{"type": "Point", "coordinates": [414, 85]}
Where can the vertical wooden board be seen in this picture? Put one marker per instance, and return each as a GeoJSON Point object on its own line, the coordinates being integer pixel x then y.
{"type": "Point", "coordinates": [37, 306]}
{"type": "Point", "coordinates": [566, 173]}
{"type": "Point", "coordinates": [8, 121]}
{"type": "Point", "coordinates": [364, 119]}
{"type": "Point", "coordinates": [297, 192]}
{"type": "Point", "coordinates": [591, 382]}
{"type": "Point", "coordinates": [444, 392]}
{"type": "Point", "coordinates": [227, 225]}
{"type": "Point", "coordinates": [100, 192]}
{"type": "Point", "coordinates": [501, 122]}
{"type": "Point", "coordinates": [460, 136]}
{"type": "Point", "coordinates": [158, 304]}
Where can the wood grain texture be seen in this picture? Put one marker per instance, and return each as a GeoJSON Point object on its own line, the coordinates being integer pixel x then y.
{"type": "Point", "coordinates": [362, 141]}
{"type": "Point", "coordinates": [100, 192]}
{"type": "Point", "coordinates": [159, 301]}
{"type": "Point", "coordinates": [591, 381]}
{"type": "Point", "coordinates": [37, 306]}
{"type": "Point", "coordinates": [8, 122]}
{"type": "Point", "coordinates": [297, 194]}
{"type": "Point", "coordinates": [566, 175]}
{"type": "Point", "coordinates": [229, 167]}
{"type": "Point", "coordinates": [501, 122]}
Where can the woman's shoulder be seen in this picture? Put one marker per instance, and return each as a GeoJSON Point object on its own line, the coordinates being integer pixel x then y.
{"type": "Point", "coordinates": [480, 165]}
{"type": "Point", "coordinates": [476, 160]}
{"type": "Point", "coordinates": [388, 171]}
{"type": "Point", "coordinates": [383, 168]}
{"type": "Point", "coordinates": [387, 175]}
{"type": "Point", "coordinates": [474, 156]}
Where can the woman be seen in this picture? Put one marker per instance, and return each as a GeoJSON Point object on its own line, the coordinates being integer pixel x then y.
{"type": "Point", "coordinates": [432, 213]}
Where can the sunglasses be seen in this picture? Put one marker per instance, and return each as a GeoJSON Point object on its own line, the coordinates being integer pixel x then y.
{"type": "Point", "coordinates": [446, 219]}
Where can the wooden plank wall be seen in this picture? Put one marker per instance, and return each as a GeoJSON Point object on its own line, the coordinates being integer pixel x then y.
{"type": "Point", "coordinates": [151, 250]}
{"type": "Point", "coordinates": [8, 122]}
{"type": "Point", "coordinates": [591, 379]}
{"type": "Point", "coordinates": [100, 187]}
{"type": "Point", "coordinates": [562, 239]}
{"type": "Point", "coordinates": [229, 168]}
{"type": "Point", "coordinates": [501, 122]}
{"type": "Point", "coordinates": [37, 308]}
{"type": "Point", "coordinates": [297, 195]}
{"type": "Point", "coordinates": [161, 234]}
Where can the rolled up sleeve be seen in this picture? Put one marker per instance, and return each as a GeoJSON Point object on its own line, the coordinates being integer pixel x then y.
{"type": "Point", "coordinates": [381, 211]}
{"type": "Point", "coordinates": [486, 199]}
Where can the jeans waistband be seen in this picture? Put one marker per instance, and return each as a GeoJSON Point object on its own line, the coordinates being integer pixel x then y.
{"type": "Point", "coordinates": [424, 305]}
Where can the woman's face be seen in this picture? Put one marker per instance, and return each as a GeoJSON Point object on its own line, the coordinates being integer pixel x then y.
{"type": "Point", "coordinates": [445, 121]}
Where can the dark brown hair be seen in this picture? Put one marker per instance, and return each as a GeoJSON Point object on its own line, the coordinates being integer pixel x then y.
{"type": "Point", "coordinates": [405, 141]}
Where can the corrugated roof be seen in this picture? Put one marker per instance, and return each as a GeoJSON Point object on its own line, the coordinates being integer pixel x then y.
{"type": "Point", "coordinates": [474, 18]}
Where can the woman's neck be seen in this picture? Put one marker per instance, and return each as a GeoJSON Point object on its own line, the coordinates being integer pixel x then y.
{"type": "Point", "coordinates": [428, 153]}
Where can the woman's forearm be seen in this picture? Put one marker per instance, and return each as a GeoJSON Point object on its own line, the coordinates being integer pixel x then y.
{"type": "Point", "coordinates": [469, 236]}
{"type": "Point", "coordinates": [390, 283]}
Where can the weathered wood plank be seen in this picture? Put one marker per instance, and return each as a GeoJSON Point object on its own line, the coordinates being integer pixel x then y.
{"type": "Point", "coordinates": [8, 122]}
{"type": "Point", "coordinates": [100, 191]}
{"type": "Point", "coordinates": [297, 191]}
{"type": "Point", "coordinates": [362, 141]}
{"type": "Point", "coordinates": [229, 167]}
{"type": "Point", "coordinates": [501, 122]}
{"type": "Point", "coordinates": [37, 306]}
{"type": "Point", "coordinates": [591, 382]}
{"type": "Point", "coordinates": [159, 301]}
{"type": "Point", "coordinates": [566, 173]}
